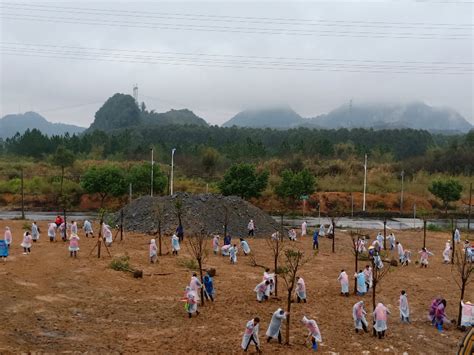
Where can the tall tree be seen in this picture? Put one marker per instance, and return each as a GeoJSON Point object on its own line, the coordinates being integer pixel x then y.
{"type": "Point", "coordinates": [197, 245]}
{"type": "Point", "coordinates": [105, 180]}
{"type": "Point", "coordinates": [295, 184]}
{"type": "Point", "coordinates": [243, 180]}
{"type": "Point", "coordinates": [140, 177]}
{"type": "Point", "coordinates": [447, 190]}
{"type": "Point", "coordinates": [63, 158]}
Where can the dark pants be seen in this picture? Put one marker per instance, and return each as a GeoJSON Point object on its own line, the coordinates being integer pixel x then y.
{"type": "Point", "coordinates": [251, 232]}
{"type": "Point", "coordinates": [279, 338]}
{"type": "Point", "coordinates": [254, 341]}
{"type": "Point", "coordinates": [180, 237]}
{"type": "Point", "coordinates": [315, 244]}
{"type": "Point", "coordinates": [298, 299]}
{"type": "Point", "coordinates": [26, 250]}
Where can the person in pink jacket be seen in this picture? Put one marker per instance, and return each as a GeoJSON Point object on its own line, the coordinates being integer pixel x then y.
{"type": "Point", "coordinates": [73, 245]}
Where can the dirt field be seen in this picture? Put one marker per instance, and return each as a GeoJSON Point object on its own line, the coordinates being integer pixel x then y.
{"type": "Point", "coordinates": [52, 303]}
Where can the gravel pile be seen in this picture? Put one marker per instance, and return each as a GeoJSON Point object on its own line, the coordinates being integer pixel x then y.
{"type": "Point", "coordinates": [199, 212]}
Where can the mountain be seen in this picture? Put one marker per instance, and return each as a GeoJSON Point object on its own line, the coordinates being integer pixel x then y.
{"type": "Point", "coordinates": [179, 117]}
{"type": "Point", "coordinates": [11, 124]}
{"type": "Point", "coordinates": [281, 118]}
{"type": "Point", "coordinates": [415, 115]}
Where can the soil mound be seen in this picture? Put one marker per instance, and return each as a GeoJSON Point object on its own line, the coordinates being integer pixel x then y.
{"type": "Point", "coordinates": [205, 212]}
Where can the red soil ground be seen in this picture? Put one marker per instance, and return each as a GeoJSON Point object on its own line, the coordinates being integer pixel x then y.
{"type": "Point", "coordinates": [52, 303]}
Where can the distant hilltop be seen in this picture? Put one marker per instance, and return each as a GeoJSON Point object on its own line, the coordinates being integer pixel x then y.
{"type": "Point", "coordinates": [121, 111]}
{"type": "Point", "coordinates": [415, 115]}
{"type": "Point", "coordinates": [11, 124]}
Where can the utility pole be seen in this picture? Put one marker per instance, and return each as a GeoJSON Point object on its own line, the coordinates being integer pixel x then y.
{"type": "Point", "coordinates": [152, 164]}
{"type": "Point", "coordinates": [401, 193]}
{"type": "Point", "coordinates": [352, 205]}
{"type": "Point", "coordinates": [424, 233]}
{"type": "Point", "coordinates": [130, 193]}
{"type": "Point", "coordinates": [365, 182]}
{"type": "Point", "coordinates": [414, 215]}
{"type": "Point", "coordinates": [172, 171]}
{"type": "Point", "coordinates": [385, 233]}
{"type": "Point", "coordinates": [22, 196]}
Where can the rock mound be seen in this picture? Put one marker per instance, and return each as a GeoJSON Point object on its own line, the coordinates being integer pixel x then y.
{"type": "Point", "coordinates": [198, 212]}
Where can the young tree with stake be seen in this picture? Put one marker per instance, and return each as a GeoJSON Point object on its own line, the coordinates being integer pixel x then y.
{"type": "Point", "coordinates": [377, 275]}
{"type": "Point", "coordinates": [197, 245]}
{"type": "Point", "coordinates": [462, 271]}
{"type": "Point", "coordinates": [356, 237]}
{"type": "Point", "coordinates": [294, 259]}
{"type": "Point", "coordinates": [276, 244]}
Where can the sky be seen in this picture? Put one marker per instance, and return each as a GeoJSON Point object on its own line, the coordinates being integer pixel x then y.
{"type": "Point", "coordinates": [63, 59]}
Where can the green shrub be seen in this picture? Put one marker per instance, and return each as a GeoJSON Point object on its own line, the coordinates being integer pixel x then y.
{"type": "Point", "coordinates": [121, 263]}
{"type": "Point", "coordinates": [434, 228]}
{"type": "Point", "coordinates": [190, 264]}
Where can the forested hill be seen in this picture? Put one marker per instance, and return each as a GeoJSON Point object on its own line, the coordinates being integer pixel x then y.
{"type": "Point", "coordinates": [19, 123]}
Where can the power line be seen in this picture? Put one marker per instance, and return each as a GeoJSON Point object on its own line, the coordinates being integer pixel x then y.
{"type": "Point", "coordinates": [174, 63]}
{"type": "Point", "coordinates": [212, 55]}
{"type": "Point", "coordinates": [237, 19]}
{"type": "Point", "coordinates": [239, 62]}
{"type": "Point", "coordinates": [227, 29]}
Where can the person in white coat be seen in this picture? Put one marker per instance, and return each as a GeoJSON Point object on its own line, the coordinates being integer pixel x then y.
{"type": "Point", "coordinates": [88, 228]}
{"type": "Point", "coordinates": [304, 227]}
{"type": "Point", "coordinates": [358, 314]}
{"type": "Point", "coordinates": [251, 334]}
{"type": "Point", "coordinates": [245, 246]}
{"type": "Point", "coordinates": [404, 307]}
{"type": "Point", "coordinates": [261, 290]}
{"type": "Point", "coordinates": [233, 254]}
{"type": "Point", "coordinates": [314, 332]}
{"type": "Point", "coordinates": [273, 330]}
{"type": "Point", "coordinates": [380, 320]}
{"type": "Point", "coordinates": [447, 252]}
{"type": "Point", "coordinates": [300, 290]}
{"type": "Point", "coordinates": [344, 280]}
{"type": "Point", "coordinates": [191, 306]}
{"type": "Point", "coordinates": [457, 236]}
{"type": "Point", "coordinates": [107, 235]}
{"type": "Point", "coordinates": [175, 247]}
{"type": "Point", "coordinates": [52, 232]}
{"type": "Point", "coordinates": [35, 234]}
{"type": "Point", "coordinates": [401, 253]}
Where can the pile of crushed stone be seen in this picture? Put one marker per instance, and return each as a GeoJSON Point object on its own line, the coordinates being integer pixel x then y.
{"type": "Point", "coordinates": [198, 212]}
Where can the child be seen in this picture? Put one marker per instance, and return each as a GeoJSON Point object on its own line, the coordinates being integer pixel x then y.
{"type": "Point", "coordinates": [424, 255]}
{"type": "Point", "coordinates": [3, 250]}
{"type": "Point", "coordinates": [52, 232]}
{"type": "Point", "coordinates": [8, 237]}
{"type": "Point", "coordinates": [26, 243]}
{"type": "Point", "coordinates": [315, 240]}
{"type": "Point", "coordinates": [191, 302]}
{"type": "Point", "coordinates": [404, 308]}
{"type": "Point", "coordinates": [35, 232]}
{"type": "Point", "coordinates": [175, 244]}
{"type": "Point", "coordinates": [74, 227]}
{"type": "Point", "coordinates": [447, 253]}
{"type": "Point", "coordinates": [361, 285]}
{"type": "Point", "coordinates": [73, 245]}
{"type": "Point", "coordinates": [108, 235]}
{"type": "Point", "coordinates": [314, 332]}
{"type": "Point", "coordinates": [153, 251]}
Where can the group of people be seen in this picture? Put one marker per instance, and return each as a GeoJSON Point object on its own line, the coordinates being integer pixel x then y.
{"type": "Point", "coordinates": [192, 293]}
{"type": "Point", "coordinates": [252, 328]}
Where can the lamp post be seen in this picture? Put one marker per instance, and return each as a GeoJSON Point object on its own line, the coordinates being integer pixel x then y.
{"type": "Point", "coordinates": [401, 193]}
{"type": "Point", "coordinates": [365, 182]}
{"type": "Point", "coordinates": [151, 182]}
{"type": "Point", "coordinates": [172, 170]}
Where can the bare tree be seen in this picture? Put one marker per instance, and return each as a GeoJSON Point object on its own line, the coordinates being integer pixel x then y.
{"type": "Point", "coordinates": [356, 237]}
{"type": "Point", "coordinates": [377, 275]}
{"type": "Point", "coordinates": [276, 244]}
{"type": "Point", "coordinates": [158, 211]}
{"type": "Point", "coordinates": [197, 245]}
{"type": "Point", "coordinates": [462, 271]}
{"type": "Point", "coordinates": [294, 259]}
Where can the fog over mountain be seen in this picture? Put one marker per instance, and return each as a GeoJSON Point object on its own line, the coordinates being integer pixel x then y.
{"type": "Point", "coordinates": [11, 124]}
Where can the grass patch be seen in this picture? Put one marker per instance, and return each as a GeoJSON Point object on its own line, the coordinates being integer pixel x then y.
{"type": "Point", "coordinates": [190, 264]}
{"type": "Point", "coordinates": [121, 263]}
{"type": "Point", "coordinates": [434, 228]}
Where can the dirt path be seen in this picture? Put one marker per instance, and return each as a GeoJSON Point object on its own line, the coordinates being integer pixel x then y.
{"type": "Point", "coordinates": [52, 303]}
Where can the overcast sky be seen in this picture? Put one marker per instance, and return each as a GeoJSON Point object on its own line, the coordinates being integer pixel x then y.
{"type": "Point", "coordinates": [61, 58]}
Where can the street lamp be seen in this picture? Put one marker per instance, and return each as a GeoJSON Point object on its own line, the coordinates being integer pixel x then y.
{"type": "Point", "coordinates": [172, 170]}
{"type": "Point", "coordinates": [365, 182]}
{"type": "Point", "coordinates": [152, 163]}
{"type": "Point", "coordinates": [401, 192]}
